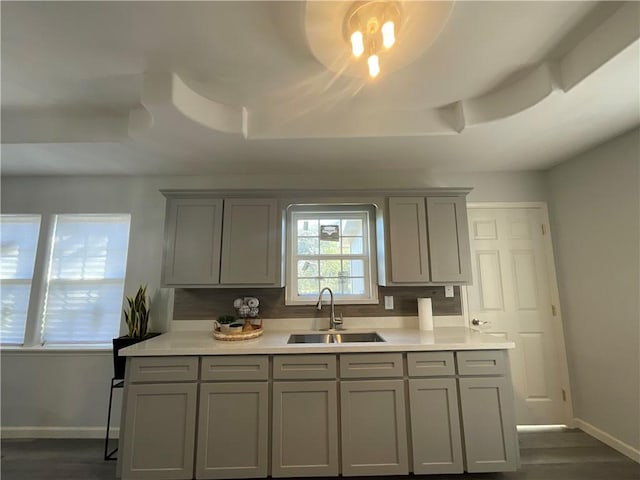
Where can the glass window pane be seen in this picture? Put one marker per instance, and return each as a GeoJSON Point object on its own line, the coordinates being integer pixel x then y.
{"type": "Point", "coordinates": [14, 303]}
{"type": "Point", "coordinates": [352, 246]}
{"type": "Point", "coordinates": [352, 227]}
{"type": "Point", "coordinates": [82, 313]}
{"type": "Point", "coordinates": [18, 241]}
{"type": "Point", "coordinates": [308, 246]}
{"type": "Point", "coordinates": [329, 248]}
{"type": "Point", "coordinates": [330, 268]}
{"type": "Point", "coordinates": [18, 244]}
{"type": "Point", "coordinates": [307, 228]}
{"type": "Point", "coordinates": [308, 286]}
{"type": "Point", "coordinates": [355, 286]}
{"type": "Point", "coordinates": [307, 268]}
{"type": "Point", "coordinates": [353, 268]}
{"type": "Point", "coordinates": [335, 284]}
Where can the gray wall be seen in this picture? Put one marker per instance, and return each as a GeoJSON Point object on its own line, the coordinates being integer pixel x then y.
{"type": "Point", "coordinates": [79, 382]}
{"type": "Point", "coordinates": [595, 212]}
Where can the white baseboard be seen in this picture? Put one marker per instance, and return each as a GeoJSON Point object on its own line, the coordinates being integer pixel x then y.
{"type": "Point", "coordinates": [604, 437]}
{"type": "Point", "coordinates": [58, 432]}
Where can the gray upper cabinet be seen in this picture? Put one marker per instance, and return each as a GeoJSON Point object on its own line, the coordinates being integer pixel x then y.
{"type": "Point", "coordinates": [448, 239]}
{"type": "Point", "coordinates": [193, 229]}
{"type": "Point", "coordinates": [216, 242]}
{"type": "Point", "coordinates": [408, 246]}
{"type": "Point", "coordinates": [428, 241]}
{"type": "Point", "coordinates": [250, 240]}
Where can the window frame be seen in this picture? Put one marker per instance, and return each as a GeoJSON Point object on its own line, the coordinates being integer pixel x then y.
{"type": "Point", "coordinates": [314, 210]}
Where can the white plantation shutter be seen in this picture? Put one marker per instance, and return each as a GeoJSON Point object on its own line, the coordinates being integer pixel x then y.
{"type": "Point", "coordinates": [85, 282]}
{"type": "Point", "coordinates": [18, 242]}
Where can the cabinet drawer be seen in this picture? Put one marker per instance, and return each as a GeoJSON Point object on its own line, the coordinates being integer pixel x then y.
{"type": "Point", "coordinates": [371, 365]}
{"type": "Point", "coordinates": [481, 362]}
{"type": "Point", "coordinates": [162, 369]}
{"type": "Point", "coordinates": [430, 364]}
{"type": "Point", "coordinates": [304, 367]}
{"type": "Point", "coordinates": [241, 367]}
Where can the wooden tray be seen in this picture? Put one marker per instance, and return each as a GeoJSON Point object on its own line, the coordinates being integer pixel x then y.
{"type": "Point", "coordinates": [256, 331]}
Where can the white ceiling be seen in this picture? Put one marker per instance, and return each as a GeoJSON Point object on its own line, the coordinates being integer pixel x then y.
{"type": "Point", "coordinates": [233, 87]}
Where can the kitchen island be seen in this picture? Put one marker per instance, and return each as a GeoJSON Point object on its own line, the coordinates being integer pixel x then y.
{"type": "Point", "coordinates": [421, 401]}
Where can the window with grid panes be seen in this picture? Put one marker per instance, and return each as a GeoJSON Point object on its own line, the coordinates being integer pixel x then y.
{"type": "Point", "coordinates": [331, 246]}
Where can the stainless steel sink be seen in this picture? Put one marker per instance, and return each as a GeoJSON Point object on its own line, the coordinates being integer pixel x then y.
{"type": "Point", "coordinates": [351, 337]}
{"type": "Point", "coordinates": [311, 338]}
{"type": "Point", "coordinates": [357, 337]}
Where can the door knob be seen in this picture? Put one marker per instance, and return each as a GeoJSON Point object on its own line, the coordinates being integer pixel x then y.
{"type": "Point", "coordinates": [477, 322]}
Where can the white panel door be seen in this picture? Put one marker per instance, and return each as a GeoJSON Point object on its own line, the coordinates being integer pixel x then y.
{"type": "Point", "coordinates": [511, 291]}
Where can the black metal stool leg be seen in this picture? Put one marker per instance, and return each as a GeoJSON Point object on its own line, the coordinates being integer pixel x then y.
{"type": "Point", "coordinates": [109, 455]}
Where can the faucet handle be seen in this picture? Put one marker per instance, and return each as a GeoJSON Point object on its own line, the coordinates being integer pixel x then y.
{"type": "Point", "coordinates": [338, 322]}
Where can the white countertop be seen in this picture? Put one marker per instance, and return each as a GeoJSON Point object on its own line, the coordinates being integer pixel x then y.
{"type": "Point", "coordinates": [275, 341]}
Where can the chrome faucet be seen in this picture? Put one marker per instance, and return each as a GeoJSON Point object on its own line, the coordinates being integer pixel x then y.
{"type": "Point", "coordinates": [334, 324]}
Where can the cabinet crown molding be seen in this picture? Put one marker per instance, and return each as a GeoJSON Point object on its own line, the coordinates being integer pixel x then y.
{"type": "Point", "coordinates": [305, 193]}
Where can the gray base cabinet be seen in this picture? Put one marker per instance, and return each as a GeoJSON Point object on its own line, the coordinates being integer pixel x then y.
{"type": "Point", "coordinates": [488, 424]}
{"type": "Point", "coordinates": [487, 407]}
{"type": "Point", "coordinates": [322, 415]}
{"type": "Point", "coordinates": [435, 426]}
{"type": "Point", "coordinates": [158, 441]}
{"type": "Point", "coordinates": [305, 429]}
{"type": "Point", "coordinates": [374, 432]}
{"type": "Point", "coordinates": [233, 430]}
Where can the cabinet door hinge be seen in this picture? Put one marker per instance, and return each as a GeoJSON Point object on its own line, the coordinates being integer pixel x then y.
{"type": "Point", "coordinates": [553, 310]}
{"type": "Point", "coordinates": [564, 395]}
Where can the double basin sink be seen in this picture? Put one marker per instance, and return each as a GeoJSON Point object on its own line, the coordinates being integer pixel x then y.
{"type": "Point", "coordinates": [352, 337]}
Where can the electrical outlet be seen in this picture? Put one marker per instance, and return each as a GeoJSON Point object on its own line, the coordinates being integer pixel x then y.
{"type": "Point", "coordinates": [388, 302]}
{"type": "Point", "coordinates": [448, 291]}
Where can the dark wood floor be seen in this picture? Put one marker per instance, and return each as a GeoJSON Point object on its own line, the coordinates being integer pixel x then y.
{"type": "Point", "coordinates": [565, 455]}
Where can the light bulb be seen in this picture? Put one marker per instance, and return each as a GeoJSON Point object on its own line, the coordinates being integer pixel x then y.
{"type": "Point", "coordinates": [374, 65]}
{"type": "Point", "coordinates": [388, 34]}
{"type": "Point", "coordinates": [357, 43]}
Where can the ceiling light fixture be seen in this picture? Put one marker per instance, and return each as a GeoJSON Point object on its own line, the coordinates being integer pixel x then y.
{"type": "Point", "coordinates": [371, 28]}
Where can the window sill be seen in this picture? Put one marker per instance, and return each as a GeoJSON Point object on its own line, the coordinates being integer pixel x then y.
{"type": "Point", "coordinates": [101, 349]}
{"type": "Point", "coordinates": [325, 301]}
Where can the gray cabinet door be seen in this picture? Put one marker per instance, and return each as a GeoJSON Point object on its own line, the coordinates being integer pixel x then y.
{"type": "Point", "coordinates": [408, 248]}
{"type": "Point", "coordinates": [435, 426]}
{"type": "Point", "coordinates": [192, 242]}
{"type": "Point", "coordinates": [233, 430]}
{"type": "Point", "coordinates": [305, 429]}
{"type": "Point", "coordinates": [450, 255]}
{"type": "Point", "coordinates": [374, 431]}
{"type": "Point", "coordinates": [159, 437]}
{"type": "Point", "coordinates": [488, 424]}
{"type": "Point", "coordinates": [250, 242]}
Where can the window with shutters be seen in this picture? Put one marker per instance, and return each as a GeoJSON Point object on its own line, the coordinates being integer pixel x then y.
{"type": "Point", "coordinates": [85, 279]}
{"type": "Point", "coordinates": [78, 282]}
{"type": "Point", "coordinates": [18, 243]}
{"type": "Point", "coordinates": [331, 246]}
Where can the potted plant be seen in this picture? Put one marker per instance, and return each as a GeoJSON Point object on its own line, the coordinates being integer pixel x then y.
{"type": "Point", "coordinates": [137, 318]}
